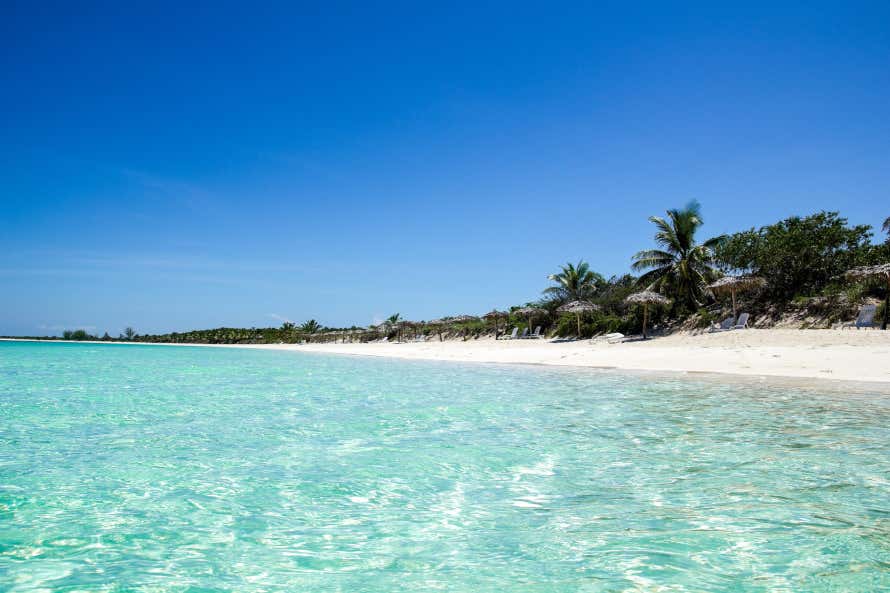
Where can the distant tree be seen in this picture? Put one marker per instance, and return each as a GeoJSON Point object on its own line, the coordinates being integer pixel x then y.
{"type": "Point", "coordinates": [310, 327]}
{"type": "Point", "coordinates": [798, 256]}
{"type": "Point", "coordinates": [886, 228]}
{"type": "Point", "coordinates": [679, 267]}
{"type": "Point", "coordinates": [78, 334]}
{"type": "Point", "coordinates": [574, 282]}
{"type": "Point", "coordinates": [129, 333]}
{"type": "Point", "coordinates": [105, 337]}
{"type": "Point", "coordinates": [392, 322]}
{"type": "Point", "coordinates": [288, 331]}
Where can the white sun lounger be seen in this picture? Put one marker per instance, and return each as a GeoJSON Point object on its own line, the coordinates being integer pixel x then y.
{"type": "Point", "coordinates": [742, 322]}
{"type": "Point", "coordinates": [612, 338]}
{"type": "Point", "coordinates": [535, 335]}
{"type": "Point", "coordinates": [725, 325]}
{"type": "Point", "coordinates": [866, 318]}
{"type": "Point", "coordinates": [511, 336]}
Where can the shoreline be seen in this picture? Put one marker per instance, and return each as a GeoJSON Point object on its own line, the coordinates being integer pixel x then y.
{"type": "Point", "coordinates": [822, 355]}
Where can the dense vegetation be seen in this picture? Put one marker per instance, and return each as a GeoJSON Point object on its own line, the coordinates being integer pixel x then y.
{"type": "Point", "coordinates": [802, 260]}
{"type": "Point", "coordinates": [799, 256]}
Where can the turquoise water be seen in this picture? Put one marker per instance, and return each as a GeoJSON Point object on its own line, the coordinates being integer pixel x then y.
{"type": "Point", "coordinates": [140, 468]}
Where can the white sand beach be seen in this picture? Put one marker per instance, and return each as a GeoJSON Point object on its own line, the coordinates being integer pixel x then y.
{"type": "Point", "coordinates": [848, 355]}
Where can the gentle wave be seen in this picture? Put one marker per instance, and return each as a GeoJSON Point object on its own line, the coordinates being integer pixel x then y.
{"type": "Point", "coordinates": [177, 469]}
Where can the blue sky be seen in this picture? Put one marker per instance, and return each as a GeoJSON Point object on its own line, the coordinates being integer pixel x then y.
{"type": "Point", "coordinates": [173, 167]}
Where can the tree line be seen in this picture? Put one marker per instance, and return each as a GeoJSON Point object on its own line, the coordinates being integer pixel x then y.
{"type": "Point", "coordinates": [801, 259]}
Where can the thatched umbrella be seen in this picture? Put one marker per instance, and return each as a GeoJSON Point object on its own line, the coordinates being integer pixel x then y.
{"type": "Point", "coordinates": [734, 284]}
{"type": "Point", "coordinates": [494, 314]}
{"type": "Point", "coordinates": [531, 312]}
{"type": "Point", "coordinates": [646, 298]}
{"type": "Point", "coordinates": [578, 307]}
{"type": "Point", "coordinates": [880, 272]}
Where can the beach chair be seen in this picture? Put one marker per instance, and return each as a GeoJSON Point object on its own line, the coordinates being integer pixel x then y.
{"type": "Point", "coordinates": [615, 338]}
{"type": "Point", "coordinates": [536, 335]}
{"type": "Point", "coordinates": [725, 325]}
{"type": "Point", "coordinates": [742, 322]}
{"type": "Point", "coordinates": [524, 334]}
{"type": "Point", "coordinates": [512, 336]}
{"type": "Point", "coordinates": [384, 339]}
{"type": "Point", "coordinates": [866, 318]}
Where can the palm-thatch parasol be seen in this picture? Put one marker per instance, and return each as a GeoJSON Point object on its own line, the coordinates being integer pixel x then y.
{"type": "Point", "coordinates": [531, 312]}
{"type": "Point", "coordinates": [578, 307]}
{"type": "Point", "coordinates": [877, 272]}
{"type": "Point", "coordinates": [734, 284]}
{"type": "Point", "coordinates": [495, 315]}
{"type": "Point", "coordinates": [646, 298]}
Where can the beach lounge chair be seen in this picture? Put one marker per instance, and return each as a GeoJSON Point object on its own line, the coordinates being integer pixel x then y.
{"type": "Point", "coordinates": [606, 337]}
{"type": "Point", "coordinates": [535, 335]}
{"type": "Point", "coordinates": [512, 336]}
{"type": "Point", "coordinates": [866, 318]}
{"type": "Point", "coordinates": [615, 338]}
{"type": "Point", "coordinates": [384, 339]}
{"type": "Point", "coordinates": [524, 334]}
{"type": "Point", "coordinates": [725, 325]}
{"type": "Point", "coordinates": [742, 322]}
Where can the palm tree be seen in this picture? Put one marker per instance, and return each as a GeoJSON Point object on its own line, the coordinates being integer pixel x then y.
{"type": "Point", "coordinates": [886, 226]}
{"type": "Point", "coordinates": [310, 327]}
{"type": "Point", "coordinates": [679, 266]}
{"type": "Point", "coordinates": [573, 282]}
{"type": "Point", "coordinates": [129, 333]}
{"type": "Point", "coordinates": [393, 321]}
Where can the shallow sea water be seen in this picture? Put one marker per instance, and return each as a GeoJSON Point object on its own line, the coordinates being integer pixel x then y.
{"type": "Point", "coordinates": [147, 468]}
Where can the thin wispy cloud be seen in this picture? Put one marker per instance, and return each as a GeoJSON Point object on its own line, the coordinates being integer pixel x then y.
{"type": "Point", "coordinates": [278, 317]}
{"type": "Point", "coordinates": [188, 195]}
{"type": "Point", "coordinates": [86, 263]}
{"type": "Point", "coordinates": [65, 326]}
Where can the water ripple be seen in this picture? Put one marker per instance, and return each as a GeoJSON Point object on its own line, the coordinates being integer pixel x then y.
{"type": "Point", "coordinates": [158, 469]}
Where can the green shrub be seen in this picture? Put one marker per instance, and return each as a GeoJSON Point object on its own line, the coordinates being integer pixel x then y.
{"type": "Point", "coordinates": [705, 318]}
{"type": "Point", "coordinates": [798, 255]}
{"type": "Point", "coordinates": [78, 334]}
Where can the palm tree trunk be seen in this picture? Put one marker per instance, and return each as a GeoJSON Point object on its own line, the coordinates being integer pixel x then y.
{"type": "Point", "coordinates": [886, 307]}
{"type": "Point", "coordinates": [645, 318]}
{"type": "Point", "coordinates": [578, 316]}
{"type": "Point", "coordinates": [734, 314]}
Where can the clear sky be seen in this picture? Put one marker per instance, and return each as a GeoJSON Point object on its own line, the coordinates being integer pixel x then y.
{"type": "Point", "coordinates": [174, 167]}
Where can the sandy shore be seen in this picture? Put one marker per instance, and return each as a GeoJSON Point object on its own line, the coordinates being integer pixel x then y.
{"type": "Point", "coordinates": [847, 355]}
